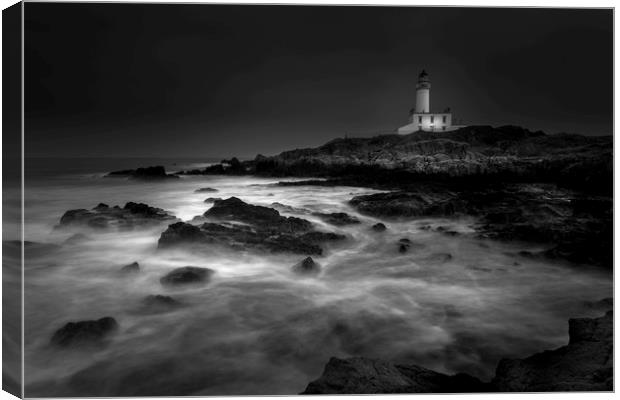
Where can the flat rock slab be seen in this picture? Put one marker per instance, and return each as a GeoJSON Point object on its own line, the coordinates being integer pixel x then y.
{"type": "Point", "coordinates": [132, 215]}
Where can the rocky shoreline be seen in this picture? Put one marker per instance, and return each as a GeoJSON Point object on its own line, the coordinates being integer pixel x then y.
{"type": "Point", "coordinates": [584, 364]}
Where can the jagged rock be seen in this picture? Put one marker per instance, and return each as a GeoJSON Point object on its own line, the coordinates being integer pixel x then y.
{"type": "Point", "coordinates": [132, 215]}
{"type": "Point", "coordinates": [366, 376]}
{"type": "Point", "coordinates": [187, 275]}
{"type": "Point", "coordinates": [206, 190]}
{"type": "Point", "coordinates": [264, 218]}
{"type": "Point", "coordinates": [338, 219]}
{"type": "Point", "coordinates": [212, 199]}
{"type": "Point", "coordinates": [379, 227]}
{"type": "Point", "coordinates": [84, 332]}
{"type": "Point", "coordinates": [132, 268]}
{"type": "Point", "coordinates": [307, 266]}
{"type": "Point", "coordinates": [585, 364]}
{"type": "Point", "coordinates": [147, 173]}
{"type": "Point", "coordinates": [263, 229]}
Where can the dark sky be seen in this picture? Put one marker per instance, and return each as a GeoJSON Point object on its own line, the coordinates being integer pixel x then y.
{"type": "Point", "coordinates": [223, 80]}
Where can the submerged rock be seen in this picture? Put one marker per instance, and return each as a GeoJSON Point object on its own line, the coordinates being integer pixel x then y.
{"type": "Point", "coordinates": [338, 219]}
{"type": "Point", "coordinates": [307, 266]}
{"type": "Point", "coordinates": [132, 268]}
{"type": "Point", "coordinates": [360, 375]}
{"type": "Point", "coordinates": [84, 332]}
{"type": "Point", "coordinates": [77, 238]}
{"type": "Point", "coordinates": [132, 215]}
{"type": "Point", "coordinates": [147, 173]}
{"type": "Point", "coordinates": [206, 190]}
{"type": "Point", "coordinates": [158, 303]}
{"type": "Point", "coordinates": [379, 227]}
{"type": "Point", "coordinates": [403, 245]}
{"type": "Point", "coordinates": [187, 275]}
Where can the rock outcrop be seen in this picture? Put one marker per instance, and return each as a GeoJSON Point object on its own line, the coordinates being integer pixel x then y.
{"type": "Point", "coordinates": [338, 218]}
{"type": "Point", "coordinates": [132, 215]}
{"type": "Point", "coordinates": [307, 266]}
{"type": "Point", "coordinates": [246, 226]}
{"type": "Point", "coordinates": [85, 333]}
{"type": "Point", "coordinates": [585, 364]}
{"type": "Point", "coordinates": [575, 226]}
{"type": "Point", "coordinates": [366, 376]}
{"type": "Point", "coordinates": [146, 173]}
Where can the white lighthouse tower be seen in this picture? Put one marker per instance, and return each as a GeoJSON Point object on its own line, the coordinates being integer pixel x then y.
{"type": "Point", "coordinates": [423, 94]}
{"type": "Point", "coordinates": [420, 117]}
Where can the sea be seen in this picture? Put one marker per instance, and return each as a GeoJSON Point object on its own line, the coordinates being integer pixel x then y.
{"type": "Point", "coordinates": [451, 303]}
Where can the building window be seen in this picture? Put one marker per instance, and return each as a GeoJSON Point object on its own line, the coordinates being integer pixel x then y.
{"type": "Point", "coordinates": [432, 119]}
{"type": "Point", "coordinates": [419, 119]}
{"type": "Point", "coordinates": [444, 119]}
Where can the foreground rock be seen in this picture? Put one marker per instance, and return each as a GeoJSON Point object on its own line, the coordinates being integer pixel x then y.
{"type": "Point", "coordinates": [187, 276]}
{"type": "Point", "coordinates": [244, 226]}
{"type": "Point", "coordinates": [575, 227]}
{"type": "Point", "coordinates": [585, 364]}
{"type": "Point", "coordinates": [132, 215]}
{"type": "Point", "coordinates": [84, 333]}
{"type": "Point", "coordinates": [365, 376]}
{"type": "Point", "coordinates": [147, 173]}
{"type": "Point", "coordinates": [307, 266]}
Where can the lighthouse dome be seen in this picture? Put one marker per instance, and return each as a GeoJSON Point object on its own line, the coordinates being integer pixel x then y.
{"type": "Point", "coordinates": [423, 77]}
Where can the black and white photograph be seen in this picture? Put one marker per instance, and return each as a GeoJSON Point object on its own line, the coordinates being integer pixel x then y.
{"type": "Point", "coordinates": [205, 199]}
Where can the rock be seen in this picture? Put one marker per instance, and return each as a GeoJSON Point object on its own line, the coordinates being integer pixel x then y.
{"type": "Point", "coordinates": [379, 227]}
{"type": "Point", "coordinates": [403, 245]}
{"type": "Point", "coordinates": [264, 218]}
{"type": "Point", "coordinates": [206, 190]}
{"type": "Point", "coordinates": [585, 364]}
{"type": "Point", "coordinates": [212, 199]}
{"type": "Point", "coordinates": [262, 229]}
{"type": "Point", "coordinates": [148, 173]}
{"type": "Point", "coordinates": [132, 268]}
{"type": "Point", "coordinates": [367, 376]}
{"type": "Point", "coordinates": [84, 332]}
{"type": "Point", "coordinates": [187, 275]}
{"type": "Point", "coordinates": [132, 215]}
{"type": "Point", "coordinates": [307, 266]}
{"type": "Point", "coordinates": [158, 303]}
{"type": "Point", "coordinates": [338, 219]}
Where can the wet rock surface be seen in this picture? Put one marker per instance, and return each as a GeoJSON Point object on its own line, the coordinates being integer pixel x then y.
{"type": "Point", "coordinates": [146, 173]}
{"type": "Point", "coordinates": [187, 276]}
{"type": "Point", "coordinates": [338, 219]}
{"type": "Point", "coordinates": [262, 229]}
{"type": "Point", "coordinates": [85, 333]}
{"type": "Point", "coordinates": [575, 227]}
{"type": "Point", "coordinates": [132, 215]}
{"type": "Point", "coordinates": [585, 364]}
{"type": "Point", "coordinates": [155, 304]}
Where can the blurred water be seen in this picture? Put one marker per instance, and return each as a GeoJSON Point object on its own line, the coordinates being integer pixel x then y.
{"type": "Point", "coordinates": [258, 328]}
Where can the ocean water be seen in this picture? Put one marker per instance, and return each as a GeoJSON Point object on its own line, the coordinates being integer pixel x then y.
{"type": "Point", "coordinates": [452, 303]}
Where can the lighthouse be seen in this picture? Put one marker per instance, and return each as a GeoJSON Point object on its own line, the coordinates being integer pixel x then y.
{"type": "Point", "coordinates": [423, 94]}
{"type": "Point", "coordinates": [420, 117]}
